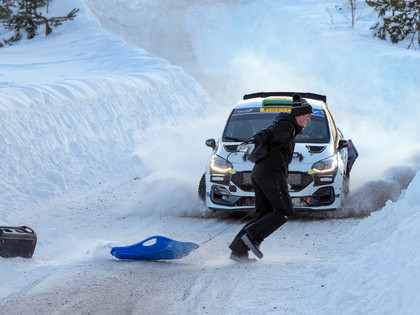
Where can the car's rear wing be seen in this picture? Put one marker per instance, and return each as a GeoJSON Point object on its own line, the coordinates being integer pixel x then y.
{"type": "Point", "coordinates": [314, 96]}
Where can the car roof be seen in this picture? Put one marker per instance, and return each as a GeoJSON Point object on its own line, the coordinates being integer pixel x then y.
{"type": "Point", "coordinates": [258, 102]}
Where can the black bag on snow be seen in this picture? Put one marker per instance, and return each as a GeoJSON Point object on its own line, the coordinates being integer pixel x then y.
{"type": "Point", "coordinates": [17, 241]}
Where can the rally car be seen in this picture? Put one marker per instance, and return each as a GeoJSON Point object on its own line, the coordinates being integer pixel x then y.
{"type": "Point", "coordinates": [318, 175]}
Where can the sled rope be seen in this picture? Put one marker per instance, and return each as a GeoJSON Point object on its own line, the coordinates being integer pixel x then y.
{"type": "Point", "coordinates": [225, 229]}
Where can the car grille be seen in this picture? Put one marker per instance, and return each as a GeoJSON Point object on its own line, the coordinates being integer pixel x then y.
{"type": "Point", "coordinates": [298, 180]}
{"type": "Point", "coordinates": [242, 180]}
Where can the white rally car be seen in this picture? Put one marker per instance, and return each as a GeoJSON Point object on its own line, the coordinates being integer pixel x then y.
{"type": "Point", "coordinates": [318, 175]}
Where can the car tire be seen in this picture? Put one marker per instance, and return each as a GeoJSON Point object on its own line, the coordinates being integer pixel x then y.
{"type": "Point", "coordinates": [202, 188]}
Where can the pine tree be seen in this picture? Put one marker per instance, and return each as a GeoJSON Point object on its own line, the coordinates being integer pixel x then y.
{"type": "Point", "coordinates": [26, 19]}
{"type": "Point", "coordinates": [5, 9]}
{"type": "Point", "coordinates": [398, 20]}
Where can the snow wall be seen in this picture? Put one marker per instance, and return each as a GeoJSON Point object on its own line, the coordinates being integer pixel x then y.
{"type": "Point", "coordinates": [89, 119]}
{"type": "Point", "coordinates": [382, 274]}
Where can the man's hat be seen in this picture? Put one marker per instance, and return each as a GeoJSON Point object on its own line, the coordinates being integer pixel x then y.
{"type": "Point", "coordinates": [300, 106]}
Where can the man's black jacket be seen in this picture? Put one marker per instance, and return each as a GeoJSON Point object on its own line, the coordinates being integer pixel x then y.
{"type": "Point", "coordinates": [280, 138]}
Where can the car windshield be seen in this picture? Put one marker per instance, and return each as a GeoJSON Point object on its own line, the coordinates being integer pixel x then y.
{"type": "Point", "coordinates": [243, 126]}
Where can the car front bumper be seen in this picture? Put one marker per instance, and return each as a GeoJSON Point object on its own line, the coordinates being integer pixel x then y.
{"type": "Point", "coordinates": [307, 191]}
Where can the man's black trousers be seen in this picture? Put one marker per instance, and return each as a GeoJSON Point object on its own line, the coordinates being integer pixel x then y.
{"type": "Point", "coordinates": [272, 204]}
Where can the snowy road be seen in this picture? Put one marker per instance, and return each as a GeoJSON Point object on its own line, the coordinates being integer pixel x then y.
{"type": "Point", "coordinates": [72, 271]}
{"type": "Point", "coordinates": [205, 282]}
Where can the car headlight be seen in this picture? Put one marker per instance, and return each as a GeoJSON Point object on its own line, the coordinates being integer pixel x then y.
{"type": "Point", "coordinates": [327, 165]}
{"type": "Point", "coordinates": [219, 164]}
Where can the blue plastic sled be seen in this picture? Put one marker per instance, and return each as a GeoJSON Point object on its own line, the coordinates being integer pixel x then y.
{"type": "Point", "coordinates": [162, 248]}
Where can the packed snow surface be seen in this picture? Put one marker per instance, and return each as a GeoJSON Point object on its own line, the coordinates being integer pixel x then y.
{"type": "Point", "coordinates": [102, 130]}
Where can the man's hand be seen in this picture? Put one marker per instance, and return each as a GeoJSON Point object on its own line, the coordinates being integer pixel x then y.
{"type": "Point", "coordinates": [246, 147]}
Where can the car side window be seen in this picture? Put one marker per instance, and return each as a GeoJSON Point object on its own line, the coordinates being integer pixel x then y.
{"type": "Point", "coordinates": [334, 133]}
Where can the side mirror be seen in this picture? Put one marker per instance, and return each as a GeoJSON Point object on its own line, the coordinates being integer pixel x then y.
{"type": "Point", "coordinates": [211, 143]}
{"type": "Point", "coordinates": [343, 144]}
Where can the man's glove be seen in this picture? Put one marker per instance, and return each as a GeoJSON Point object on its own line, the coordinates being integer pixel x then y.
{"type": "Point", "coordinates": [246, 147]}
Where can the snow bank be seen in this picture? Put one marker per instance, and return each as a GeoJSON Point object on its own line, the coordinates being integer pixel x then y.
{"type": "Point", "coordinates": [80, 116]}
{"type": "Point", "coordinates": [383, 273]}
{"type": "Point", "coordinates": [374, 194]}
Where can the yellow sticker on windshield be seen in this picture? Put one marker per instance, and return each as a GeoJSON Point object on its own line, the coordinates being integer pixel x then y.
{"type": "Point", "coordinates": [275, 109]}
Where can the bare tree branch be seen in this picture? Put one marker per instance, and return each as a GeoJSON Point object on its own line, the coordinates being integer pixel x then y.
{"type": "Point", "coordinates": [56, 20]}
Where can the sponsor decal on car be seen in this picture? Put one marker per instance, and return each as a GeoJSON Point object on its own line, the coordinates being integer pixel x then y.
{"type": "Point", "coordinates": [275, 109]}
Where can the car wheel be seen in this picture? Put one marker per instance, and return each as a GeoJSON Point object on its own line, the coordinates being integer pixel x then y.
{"type": "Point", "coordinates": [202, 188]}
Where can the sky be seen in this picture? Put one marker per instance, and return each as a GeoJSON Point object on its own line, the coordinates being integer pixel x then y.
{"type": "Point", "coordinates": [102, 136]}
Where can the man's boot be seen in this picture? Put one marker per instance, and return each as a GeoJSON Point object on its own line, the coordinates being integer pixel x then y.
{"type": "Point", "coordinates": [252, 245]}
